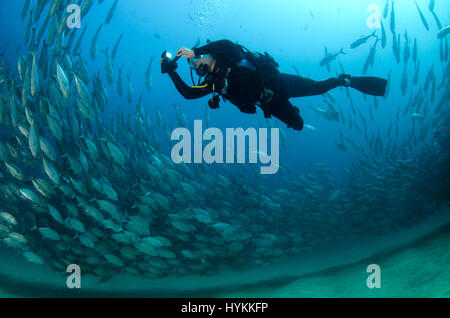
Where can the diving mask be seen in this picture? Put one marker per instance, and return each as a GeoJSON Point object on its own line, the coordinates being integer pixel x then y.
{"type": "Point", "coordinates": [202, 69]}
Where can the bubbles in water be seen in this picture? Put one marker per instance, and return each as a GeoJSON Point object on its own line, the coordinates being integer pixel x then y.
{"type": "Point", "coordinates": [207, 11]}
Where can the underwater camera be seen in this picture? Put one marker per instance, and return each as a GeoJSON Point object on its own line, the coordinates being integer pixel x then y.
{"type": "Point", "coordinates": [168, 56]}
{"type": "Point", "coordinates": [168, 65]}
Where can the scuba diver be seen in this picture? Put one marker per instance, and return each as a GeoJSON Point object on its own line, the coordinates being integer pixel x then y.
{"type": "Point", "coordinates": [247, 79]}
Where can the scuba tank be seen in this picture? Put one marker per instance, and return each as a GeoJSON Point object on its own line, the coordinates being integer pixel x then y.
{"type": "Point", "coordinates": [267, 68]}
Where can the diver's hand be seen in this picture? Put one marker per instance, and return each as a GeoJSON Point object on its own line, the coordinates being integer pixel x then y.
{"type": "Point", "coordinates": [182, 51]}
{"type": "Point", "coordinates": [168, 66]}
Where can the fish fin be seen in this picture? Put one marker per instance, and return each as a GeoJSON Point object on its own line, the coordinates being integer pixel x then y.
{"type": "Point", "coordinates": [34, 225]}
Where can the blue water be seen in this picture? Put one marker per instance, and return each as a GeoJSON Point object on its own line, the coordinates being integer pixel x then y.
{"type": "Point", "coordinates": [278, 28]}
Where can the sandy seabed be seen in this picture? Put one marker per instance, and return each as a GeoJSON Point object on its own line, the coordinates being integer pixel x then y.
{"type": "Point", "coordinates": [419, 271]}
{"type": "Point", "coordinates": [414, 262]}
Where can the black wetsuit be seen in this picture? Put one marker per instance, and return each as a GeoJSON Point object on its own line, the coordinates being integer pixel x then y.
{"type": "Point", "coordinates": [245, 84]}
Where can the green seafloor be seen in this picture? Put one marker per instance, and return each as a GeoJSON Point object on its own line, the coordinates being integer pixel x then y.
{"type": "Point", "coordinates": [415, 271]}
{"type": "Point", "coordinates": [420, 270]}
{"type": "Point", "coordinates": [413, 262]}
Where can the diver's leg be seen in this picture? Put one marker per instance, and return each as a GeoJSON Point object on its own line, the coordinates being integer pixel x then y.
{"type": "Point", "coordinates": [295, 86]}
{"type": "Point", "coordinates": [284, 111]}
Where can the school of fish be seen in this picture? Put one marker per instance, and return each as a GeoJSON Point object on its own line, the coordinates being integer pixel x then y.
{"type": "Point", "coordinates": [78, 186]}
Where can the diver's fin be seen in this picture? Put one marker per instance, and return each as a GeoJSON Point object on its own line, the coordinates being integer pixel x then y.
{"type": "Point", "coordinates": [369, 85]}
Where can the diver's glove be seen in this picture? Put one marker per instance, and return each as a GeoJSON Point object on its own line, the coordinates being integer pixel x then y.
{"type": "Point", "coordinates": [345, 80]}
{"type": "Point", "coordinates": [168, 66]}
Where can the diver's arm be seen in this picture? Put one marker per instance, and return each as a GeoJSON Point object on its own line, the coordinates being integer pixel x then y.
{"type": "Point", "coordinates": [222, 49]}
{"type": "Point", "coordinates": [189, 92]}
